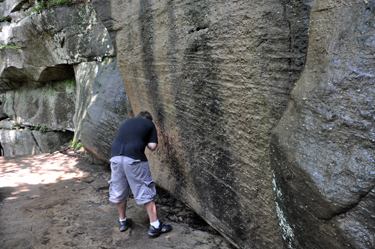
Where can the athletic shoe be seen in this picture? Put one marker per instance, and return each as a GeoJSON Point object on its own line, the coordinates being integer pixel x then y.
{"type": "Point", "coordinates": [163, 228]}
{"type": "Point", "coordinates": [124, 225]}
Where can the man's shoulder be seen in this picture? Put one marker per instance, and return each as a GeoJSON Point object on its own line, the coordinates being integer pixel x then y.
{"type": "Point", "coordinates": [138, 121]}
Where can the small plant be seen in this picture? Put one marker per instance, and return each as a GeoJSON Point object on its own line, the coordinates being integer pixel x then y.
{"type": "Point", "coordinates": [43, 4]}
{"type": "Point", "coordinates": [4, 19]}
{"type": "Point", "coordinates": [79, 146]}
{"type": "Point", "coordinates": [37, 128]}
{"type": "Point", "coordinates": [44, 128]}
{"type": "Point", "coordinates": [75, 145]}
{"type": "Point", "coordinates": [16, 126]}
{"type": "Point", "coordinates": [10, 46]}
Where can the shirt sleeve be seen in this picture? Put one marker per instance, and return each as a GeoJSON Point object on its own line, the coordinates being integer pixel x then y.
{"type": "Point", "coordinates": [154, 135]}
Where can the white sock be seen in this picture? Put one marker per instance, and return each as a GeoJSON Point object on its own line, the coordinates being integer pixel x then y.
{"type": "Point", "coordinates": [155, 224]}
{"type": "Point", "coordinates": [122, 220]}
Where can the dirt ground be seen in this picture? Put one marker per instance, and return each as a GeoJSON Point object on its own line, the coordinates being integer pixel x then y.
{"type": "Point", "coordinates": [60, 200]}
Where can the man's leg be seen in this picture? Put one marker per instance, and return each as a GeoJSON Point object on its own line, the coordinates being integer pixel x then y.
{"type": "Point", "coordinates": [124, 224]}
{"type": "Point", "coordinates": [141, 182]}
{"type": "Point", "coordinates": [121, 208]}
{"type": "Point", "coordinates": [156, 227]}
{"type": "Point", "coordinates": [119, 191]}
{"type": "Point", "coordinates": [151, 211]}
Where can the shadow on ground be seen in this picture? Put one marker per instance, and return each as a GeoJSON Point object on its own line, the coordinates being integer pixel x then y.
{"type": "Point", "coordinates": [60, 200]}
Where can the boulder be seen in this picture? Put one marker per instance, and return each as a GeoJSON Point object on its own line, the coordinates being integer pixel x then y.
{"type": "Point", "coordinates": [105, 107]}
{"type": "Point", "coordinates": [85, 74]}
{"type": "Point", "coordinates": [42, 56]}
{"type": "Point", "coordinates": [216, 76]}
{"type": "Point", "coordinates": [27, 142]}
{"type": "Point", "coordinates": [9, 6]}
{"type": "Point", "coordinates": [43, 46]}
{"type": "Point", "coordinates": [49, 142]}
{"type": "Point", "coordinates": [323, 147]}
{"type": "Point", "coordinates": [103, 10]}
{"type": "Point", "coordinates": [51, 106]}
{"type": "Point", "coordinates": [7, 103]}
{"type": "Point", "coordinates": [2, 114]}
{"type": "Point", "coordinates": [7, 124]}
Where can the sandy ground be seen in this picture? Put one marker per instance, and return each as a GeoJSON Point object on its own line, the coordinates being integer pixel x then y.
{"type": "Point", "coordinates": [60, 200]}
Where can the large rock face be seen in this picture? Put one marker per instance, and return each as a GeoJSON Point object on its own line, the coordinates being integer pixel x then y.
{"type": "Point", "coordinates": [323, 147]}
{"type": "Point", "coordinates": [64, 72]}
{"type": "Point", "coordinates": [51, 105]}
{"type": "Point", "coordinates": [50, 43]}
{"type": "Point", "coordinates": [102, 107]}
{"type": "Point", "coordinates": [216, 76]}
{"type": "Point", "coordinates": [27, 142]}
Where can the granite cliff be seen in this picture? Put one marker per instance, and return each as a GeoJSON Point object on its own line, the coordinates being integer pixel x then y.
{"type": "Point", "coordinates": [264, 109]}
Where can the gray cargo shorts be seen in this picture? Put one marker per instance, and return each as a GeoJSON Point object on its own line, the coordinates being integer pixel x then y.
{"type": "Point", "coordinates": [134, 173]}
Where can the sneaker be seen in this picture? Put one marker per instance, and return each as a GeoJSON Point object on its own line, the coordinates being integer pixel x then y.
{"type": "Point", "coordinates": [163, 228]}
{"type": "Point", "coordinates": [124, 225]}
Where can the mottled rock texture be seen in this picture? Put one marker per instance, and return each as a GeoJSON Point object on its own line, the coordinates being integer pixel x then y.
{"type": "Point", "coordinates": [216, 76]}
{"type": "Point", "coordinates": [265, 166]}
{"type": "Point", "coordinates": [102, 106]}
{"type": "Point", "coordinates": [50, 43]}
{"type": "Point", "coordinates": [61, 72]}
{"type": "Point", "coordinates": [27, 142]}
{"type": "Point", "coordinates": [323, 147]}
{"type": "Point", "coordinates": [51, 105]}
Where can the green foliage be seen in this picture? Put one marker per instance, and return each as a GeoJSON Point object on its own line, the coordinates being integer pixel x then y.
{"type": "Point", "coordinates": [70, 83]}
{"type": "Point", "coordinates": [9, 46]}
{"type": "Point", "coordinates": [37, 128]}
{"type": "Point", "coordinates": [73, 144]}
{"type": "Point", "coordinates": [4, 19]}
{"type": "Point", "coordinates": [43, 4]}
{"type": "Point", "coordinates": [16, 126]}
{"type": "Point", "coordinates": [44, 128]}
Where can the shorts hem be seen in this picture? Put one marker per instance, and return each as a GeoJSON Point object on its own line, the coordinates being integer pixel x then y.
{"type": "Point", "coordinates": [116, 202]}
{"type": "Point", "coordinates": [144, 202]}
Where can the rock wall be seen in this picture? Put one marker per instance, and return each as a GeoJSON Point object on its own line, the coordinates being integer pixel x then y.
{"type": "Point", "coordinates": [323, 147]}
{"type": "Point", "coordinates": [216, 75]}
{"type": "Point", "coordinates": [102, 108]}
{"type": "Point", "coordinates": [57, 68]}
{"type": "Point", "coordinates": [264, 112]}
{"type": "Point", "coordinates": [31, 142]}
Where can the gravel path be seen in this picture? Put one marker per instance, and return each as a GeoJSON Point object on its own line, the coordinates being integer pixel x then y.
{"type": "Point", "coordinates": [60, 200]}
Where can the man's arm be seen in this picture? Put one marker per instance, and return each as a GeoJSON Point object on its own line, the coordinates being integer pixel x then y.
{"type": "Point", "coordinates": [152, 146]}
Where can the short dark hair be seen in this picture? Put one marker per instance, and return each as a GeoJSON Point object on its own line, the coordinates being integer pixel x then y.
{"type": "Point", "coordinates": [145, 114]}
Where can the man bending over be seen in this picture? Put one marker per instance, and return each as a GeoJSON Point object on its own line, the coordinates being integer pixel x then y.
{"type": "Point", "coordinates": [130, 168]}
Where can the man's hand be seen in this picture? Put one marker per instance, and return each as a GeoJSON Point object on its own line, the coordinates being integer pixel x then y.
{"type": "Point", "coordinates": [152, 146]}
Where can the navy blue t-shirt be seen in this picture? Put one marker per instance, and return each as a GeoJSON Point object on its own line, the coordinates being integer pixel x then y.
{"type": "Point", "coordinates": [132, 138]}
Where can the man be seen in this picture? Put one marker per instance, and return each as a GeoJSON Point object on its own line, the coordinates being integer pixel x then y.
{"type": "Point", "coordinates": [130, 167]}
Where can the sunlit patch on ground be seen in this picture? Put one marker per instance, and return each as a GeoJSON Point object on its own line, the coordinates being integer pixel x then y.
{"type": "Point", "coordinates": [61, 200]}
{"type": "Point", "coordinates": [48, 168]}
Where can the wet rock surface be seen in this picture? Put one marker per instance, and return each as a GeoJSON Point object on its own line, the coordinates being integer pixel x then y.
{"type": "Point", "coordinates": [60, 200]}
